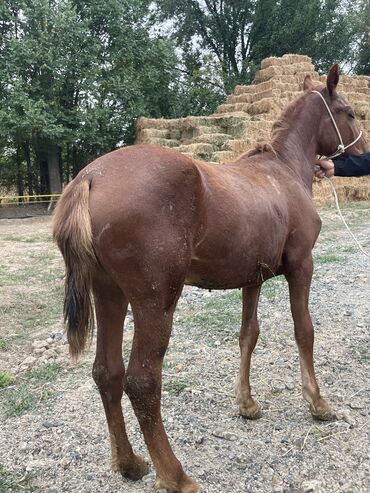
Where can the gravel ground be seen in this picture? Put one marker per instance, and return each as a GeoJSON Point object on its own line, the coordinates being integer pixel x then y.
{"type": "Point", "coordinates": [59, 443]}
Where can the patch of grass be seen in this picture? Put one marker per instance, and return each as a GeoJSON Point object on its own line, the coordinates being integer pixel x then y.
{"type": "Point", "coordinates": [10, 482]}
{"type": "Point", "coordinates": [30, 391]}
{"type": "Point", "coordinates": [362, 354]}
{"type": "Point", "coordinates": [271, 288]}
{"type": "Point", "coordinates": [32, 310]}
{"type": "Point", "coordinates": [4, 344]}
{"type": "Point", "coordinates": [19, 400]}
{"type": "Point", "coordinates": [45, 373]}
{"type": "Point", "coordinates": [175, 386]}
{"type": "Point", "coordinates": [5, 379]}
{"type": "Point", "coordinates": [218, 315]}
{"type": "Point", "coordinates": [35, 269]}
{"type": "Point", "coordinates": [37, 238]}
{"type": "Point", "coordinates": [327, 259]}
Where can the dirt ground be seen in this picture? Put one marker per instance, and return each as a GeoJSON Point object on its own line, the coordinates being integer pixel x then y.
{"type": "Point", "coordinates": [53, 435]}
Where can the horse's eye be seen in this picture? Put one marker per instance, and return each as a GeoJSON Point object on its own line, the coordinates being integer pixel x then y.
{"type": "Point", "coordinates": [350, 113]}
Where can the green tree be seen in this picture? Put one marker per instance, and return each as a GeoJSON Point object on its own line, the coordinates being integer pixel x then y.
{"type": "Point", "coordinates": [74, 77]}
{"type": "Point", "coordinates": [241, 33]}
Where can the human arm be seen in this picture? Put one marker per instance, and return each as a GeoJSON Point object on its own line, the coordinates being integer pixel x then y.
{"type": "Point", "coordinates": [352, 165]}
{"type": "Point", "coordinates": [344, 166]}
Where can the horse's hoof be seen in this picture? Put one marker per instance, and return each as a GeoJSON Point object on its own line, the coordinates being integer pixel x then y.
{"type": "Point", "coordinates": [136, 470]}
{"type": "Point", "coordinates": [324, 413]}
{"type": "Point", "coordinates": [186, 486]}
{"type": "Point", "coordinates": [253, 411]}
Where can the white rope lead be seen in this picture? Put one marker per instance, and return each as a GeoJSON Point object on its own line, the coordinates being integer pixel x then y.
{"type": "Point", "coordinates": [341, 147]}
{"type": "Point", "coordinates": [341, 216]}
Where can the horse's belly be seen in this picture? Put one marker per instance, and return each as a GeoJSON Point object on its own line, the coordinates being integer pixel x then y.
{"type": "Point", "coordinates": [232, 273]}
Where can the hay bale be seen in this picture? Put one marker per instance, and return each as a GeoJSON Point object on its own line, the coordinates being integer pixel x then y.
{"type": "Point", "coordinates": [216, 140]}
{"type": "Point", "coordinates": [284, 70]}
{"type": "Point", "coordinates": [202, 130]}
{"type": "Point", "coordinates": [233, 108]}
{"type": "Point", "coordinates": [348, 190]}
{"type": "Point", "coordinates": [267, 105]}
{"type": "Point", "coordinates": [147, 135]}
{"type": "Point", "coordinates": [244, 97]}
{"type": "Point", "coordinates": [199, 149]}
{"type": "Point", "coordinates": [165, 142]}
{"type": "Point", "coordinates": [223, 157]}
{"type": "Point", "coordinates": [238, 146]}
{"type": "Point", "coordinates": [285, 60]}
{"type": "Point", "coordinates": [356, 97]}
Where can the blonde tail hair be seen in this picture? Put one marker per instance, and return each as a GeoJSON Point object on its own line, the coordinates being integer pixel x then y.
{"type": "Point", "coordinates": [73, 235]}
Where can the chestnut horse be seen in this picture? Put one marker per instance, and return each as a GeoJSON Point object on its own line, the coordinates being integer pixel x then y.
{"type": "Point", "coordinates": [138, 223]}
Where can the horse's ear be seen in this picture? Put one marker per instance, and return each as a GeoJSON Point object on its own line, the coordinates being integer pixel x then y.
{"type": "Point", "coordinates": [307, 83]}
{"type": "Point", "coordinates": [332, 79]}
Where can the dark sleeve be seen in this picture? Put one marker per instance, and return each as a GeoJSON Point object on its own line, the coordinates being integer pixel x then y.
{"type": "Point", "coordinates": [352, 165]}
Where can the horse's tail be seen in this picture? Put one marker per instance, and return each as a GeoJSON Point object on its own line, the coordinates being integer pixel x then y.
{"type": "Point", "coordinates": [73, 234]}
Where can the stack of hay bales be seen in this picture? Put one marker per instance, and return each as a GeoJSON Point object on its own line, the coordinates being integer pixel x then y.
{"type": "Point", "coordinates": [246, 118]}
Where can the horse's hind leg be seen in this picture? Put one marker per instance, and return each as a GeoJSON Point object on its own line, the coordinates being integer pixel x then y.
{"type": "Point", "coordinates": [108, 373]}
{"type": "Point", "coordinates": [153, 322]}
{"type": "Point", "coordinates": [299, 279]}
{"type": "Point", "coordinates": [249, 332]}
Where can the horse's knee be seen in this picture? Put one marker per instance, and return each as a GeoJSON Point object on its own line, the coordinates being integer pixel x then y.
{"type": "Point", "coordinates": [143, 390]}
{"type": "Point", "coordinates": [109, 382]}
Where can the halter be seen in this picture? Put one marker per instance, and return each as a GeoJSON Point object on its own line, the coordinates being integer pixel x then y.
{"type": "Point", "coordinates": [341, 147]}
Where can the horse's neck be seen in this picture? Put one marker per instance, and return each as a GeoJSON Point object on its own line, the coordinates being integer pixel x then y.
{"type": "Point", "coordinates": [296, 144]}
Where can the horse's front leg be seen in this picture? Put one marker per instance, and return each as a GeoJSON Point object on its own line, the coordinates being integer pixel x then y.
{"type": "Point", "coordinates": [249, 332]}
{"type": "Point", "coordinates": [299, 278]}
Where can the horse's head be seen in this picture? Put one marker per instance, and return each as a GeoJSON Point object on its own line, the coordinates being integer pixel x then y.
{"type": "Point", "coordinates": [338, 123]}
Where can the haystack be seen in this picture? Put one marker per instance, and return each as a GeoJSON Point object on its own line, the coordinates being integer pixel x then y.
{"type": "Point", "coordinates": [246, 118]}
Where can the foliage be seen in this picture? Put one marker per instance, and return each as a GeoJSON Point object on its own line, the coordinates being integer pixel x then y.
{"type": "Point", "coordinates": [75, 76]}
{"type": "Point", "coordinates": [241, 33]}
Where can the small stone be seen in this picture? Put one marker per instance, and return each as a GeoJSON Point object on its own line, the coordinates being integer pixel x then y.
{"type": "Point", "coordinates": [50, 424]}
{"type": "Point", "coordinates": [39, 350]}
{"type": "Point", "coordinates": [50, 340]}
{"type": "Point", "coordinates": [278, 387]}
{"type": "Point", "coordinates": [50, 353]}
{"type": "Point", "coordinates": [347, 418]}
{"type": "Point", "coordinates": [356, 405]}
{"type": "Point", "coordinates": [30, 360]}
{"type": "Point", "coordinates": [225, 434]}
{"type": "Point", "coordinates": [289, 384]}
{"type": "Point", "coordinates": [313, 486]}
{"type": "Point", "coordinates": [65, 462]}
{"type": "Point", "coordinates": [199, 439]}
{"type": "Point", "coordinates": [75, 456]}
{"type": "Point", "coordinates": [39, 344]}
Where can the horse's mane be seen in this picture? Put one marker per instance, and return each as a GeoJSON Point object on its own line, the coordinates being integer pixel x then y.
{"type": "Point", "coordinates": [279, 128]}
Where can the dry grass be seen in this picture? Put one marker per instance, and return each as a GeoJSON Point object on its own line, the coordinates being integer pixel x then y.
{"type": "Point", "coordinates": [246, 117]}
{"type": "Point", "coordinates": [287, 59]}
{"type": "Point", "coordinates": [348, 190]}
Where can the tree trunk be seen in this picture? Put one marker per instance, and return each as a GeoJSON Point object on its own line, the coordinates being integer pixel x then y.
{"type": "Point", "coordinates": [19, 172]}
{"type": "Point", "coordinates": [27, 155]}
{"type": "Point", "coordinates": [53, 160]}
{"type": "Point", "coordinates": [75, 168]}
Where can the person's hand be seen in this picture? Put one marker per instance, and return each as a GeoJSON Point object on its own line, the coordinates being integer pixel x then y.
{"type": "Point", "coordinates": [324, 168]}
